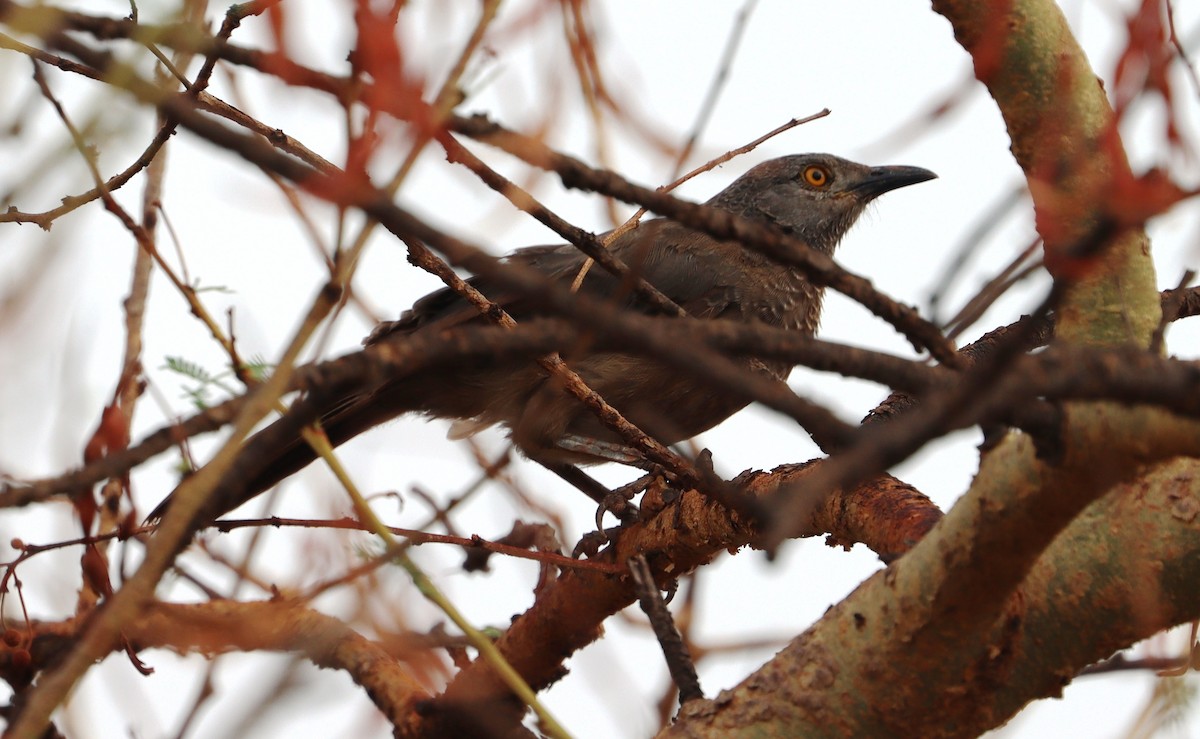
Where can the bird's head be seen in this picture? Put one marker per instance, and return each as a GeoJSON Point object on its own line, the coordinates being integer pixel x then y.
{"type": "Point", "coordinates": [816, 197]}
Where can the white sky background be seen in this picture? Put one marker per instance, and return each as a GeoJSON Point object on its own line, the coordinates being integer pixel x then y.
{"type": "Point", "coordinates": [877, 65]}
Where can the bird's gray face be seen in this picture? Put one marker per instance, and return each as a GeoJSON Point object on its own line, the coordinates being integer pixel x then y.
{"type": "Point", "coordinates": [816, 197]}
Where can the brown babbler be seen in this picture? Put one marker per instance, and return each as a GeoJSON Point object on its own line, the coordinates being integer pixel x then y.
{"type": "Point", "coordinates": [813, 197]}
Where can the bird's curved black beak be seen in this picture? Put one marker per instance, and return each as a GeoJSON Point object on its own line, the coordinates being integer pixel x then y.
{"type": "Point", "coordinates": [885, 179]}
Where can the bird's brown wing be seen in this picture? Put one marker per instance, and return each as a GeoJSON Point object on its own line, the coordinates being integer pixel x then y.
{"type": "Point", "coordinates": [694, 278]}
{"type": "Point", "coordinates": [692, 269]}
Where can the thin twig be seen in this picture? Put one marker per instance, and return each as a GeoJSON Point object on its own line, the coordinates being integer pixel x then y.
{"type": "Point", "coordinates": [679, 660]}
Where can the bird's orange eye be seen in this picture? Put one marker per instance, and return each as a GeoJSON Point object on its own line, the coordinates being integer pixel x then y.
{"type": "Point", "coordinates": [816, 176]}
